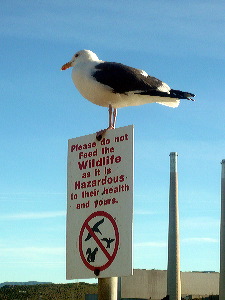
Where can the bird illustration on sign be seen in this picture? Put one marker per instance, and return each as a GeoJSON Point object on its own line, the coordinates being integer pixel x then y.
{"type": "Point", "coordinates": [91, 255]}
{"type": "Point", "coordinates": [95, 229]}
{"type": "Point", "coordinates": [99, 241]}
{"type": "Point", "coordinates": [108, 241]}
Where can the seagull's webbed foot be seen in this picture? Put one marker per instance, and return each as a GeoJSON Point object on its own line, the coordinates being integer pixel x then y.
{"type": "Point", "coordinates": [112, 123]}
{"type": "Point", "coordinates": [100, 133]}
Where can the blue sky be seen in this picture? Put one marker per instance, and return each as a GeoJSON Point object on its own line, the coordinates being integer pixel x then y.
{"type": "Point", "coordinates": [181, 43]}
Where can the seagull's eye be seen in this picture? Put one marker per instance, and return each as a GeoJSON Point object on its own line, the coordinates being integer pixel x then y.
{"type": "Point", "coordinates": [76, 55]}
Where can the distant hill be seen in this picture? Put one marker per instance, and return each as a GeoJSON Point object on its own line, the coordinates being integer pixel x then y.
{"type": "Point", "coordinates": [34, 290]}
{"type": "Point", "coordinates": [23, 283]}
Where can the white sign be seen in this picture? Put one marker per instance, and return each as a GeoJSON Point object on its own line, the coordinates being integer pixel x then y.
{"type": "Point", "coordinates": [100, 205]}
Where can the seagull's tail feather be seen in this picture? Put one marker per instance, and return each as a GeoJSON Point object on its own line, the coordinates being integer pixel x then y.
{"type": "Point", "coordinates": [181, 95]}
{"type": "Point", "coordinates": [170, 103]}
{"type": "Point", "coordinates": [170, 94]}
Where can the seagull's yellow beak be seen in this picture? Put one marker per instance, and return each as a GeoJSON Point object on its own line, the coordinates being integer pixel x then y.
{"type": "Point", "coordinates": [66, 66]}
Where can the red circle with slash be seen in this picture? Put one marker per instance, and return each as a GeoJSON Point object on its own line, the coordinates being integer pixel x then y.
{"type": "Point", "coordinates": [109, 256]}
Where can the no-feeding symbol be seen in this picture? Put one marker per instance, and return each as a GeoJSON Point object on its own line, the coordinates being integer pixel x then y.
{"type": "Point", "coordinates": [98, 241]}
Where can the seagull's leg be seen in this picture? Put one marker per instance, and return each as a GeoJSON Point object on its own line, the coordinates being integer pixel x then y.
{"type": "Point", "coordinates": [114, 118]}
{"type": "Point", "coordinates": [110, 115]}
{"type": "Point", "coordinates": [112, 122]}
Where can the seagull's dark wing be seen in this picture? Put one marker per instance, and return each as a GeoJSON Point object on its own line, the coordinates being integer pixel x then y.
{"type": "Point", "coordinates": [123, 79]}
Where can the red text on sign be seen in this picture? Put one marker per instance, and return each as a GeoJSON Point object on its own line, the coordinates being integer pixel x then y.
{"type": "Point", "coordinates": [78, 147]}
{"type": "Point", "coordinates": [102, 161]}
{"type": "Point", "coordinates": [105, 202]}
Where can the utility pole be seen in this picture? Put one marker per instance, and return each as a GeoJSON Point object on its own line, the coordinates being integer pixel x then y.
{"type": "Point", "coordinates": [173, 269]}
{"type": "Point", "coordinates": [222, 235]}
{"type": "Point", "coordinates": [107, 288]}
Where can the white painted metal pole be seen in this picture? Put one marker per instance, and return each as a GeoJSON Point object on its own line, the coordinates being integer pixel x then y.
{"type": "Point", "coordinates": [222, 235]}
{"type": "Point", "coordinates": [107, 288]}
{"type": "Point", "coordinates": [173, 269]}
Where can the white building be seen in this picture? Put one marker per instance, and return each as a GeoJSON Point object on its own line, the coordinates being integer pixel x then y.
{"type": "Point", "coordinates": [151, 284]}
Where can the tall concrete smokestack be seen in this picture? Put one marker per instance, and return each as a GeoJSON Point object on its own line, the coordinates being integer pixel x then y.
{"type": "Point", "coordinates": [173, 269]}
{"type": "Point", "coordinates": [222, 234]}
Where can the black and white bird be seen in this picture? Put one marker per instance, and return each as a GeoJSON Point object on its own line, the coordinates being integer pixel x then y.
{"type": "Point", "coordinates": [115, 85]}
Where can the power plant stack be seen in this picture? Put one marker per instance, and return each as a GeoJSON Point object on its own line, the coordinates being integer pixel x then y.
{"type": "Point", "coordinates": [173, 269]}
{"type": "Point", "coordinates": [222, 235]}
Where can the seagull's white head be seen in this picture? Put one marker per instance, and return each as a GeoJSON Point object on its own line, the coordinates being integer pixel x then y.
{"type": "Point", "coordinates": [80, 56]}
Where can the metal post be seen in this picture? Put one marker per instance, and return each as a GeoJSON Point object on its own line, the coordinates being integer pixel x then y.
{"type": "Point", "coordinates": [173, 269]}
{"type": "Point", "coordinates": [119, 286]}
{"type": "Point", "coordinates": [107, 288]}
{"type": "Point", "coordinates": [222, 235]}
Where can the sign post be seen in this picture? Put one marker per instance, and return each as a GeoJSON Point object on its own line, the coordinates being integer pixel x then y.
{"type": "Point", "coordinates": [107, 288]}
{"type": "Point", "coordinates": [100, 205]}
{"type": "Point", "coordinates": [222, 235]}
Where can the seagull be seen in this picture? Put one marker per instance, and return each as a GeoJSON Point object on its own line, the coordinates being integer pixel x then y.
{"type": "Point", "coordinates": [115, 85]}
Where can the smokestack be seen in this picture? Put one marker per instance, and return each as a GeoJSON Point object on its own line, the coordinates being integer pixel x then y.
{"type": "Point", "coordinates": [173, 269]}
{"type": "Point", "coordinates": [222, 234]}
